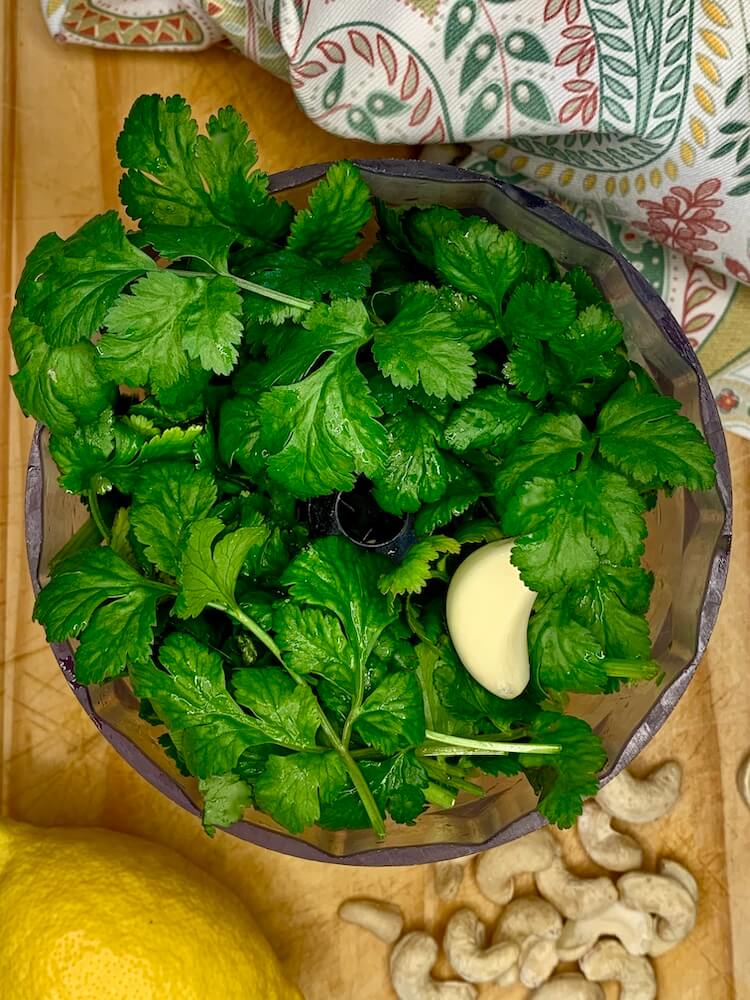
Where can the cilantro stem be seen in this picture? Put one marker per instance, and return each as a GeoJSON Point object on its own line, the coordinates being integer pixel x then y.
{"type": "Point", "coordinates": [250, 286]}
{"type": "Point", "coordinates": [443, 773]}
{"type": "Point", "coordinates": [337, 744]}
{"type": "Point", "coordinates": [442, 745]}
{"type": "Point", "coordinates": [439, 796]}
{"type": "Point", "coordinates": [96, 515]}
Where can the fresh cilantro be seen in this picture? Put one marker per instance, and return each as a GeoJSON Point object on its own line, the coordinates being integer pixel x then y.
{"type": "Point", "coordinates": [567, 525]}
{"type": "Point", "coordinates": [76, 281]}
{"type": "Point", "coordinates": [332, 574]}
{"type": "Point", "coordinates": [540, 311]}
{"type": "Point", "coordinates": [166, 321]}
{"type": "Point", "coordinates": [392, 717]}
{"type": "Point", "coordinates": [190, 696]}
{"type": "Point", "coordinates": [642, 433]}
{"type": "Point", "coordinates": [479, 259]}
{"type": "Point", "coordinates": [411, 575]}
{"type": "Point", "coordinates": [98, 598]}
{"type": "Point", "coordinates": [292, 788]}
{"type": "Point", "coordinates": [230, 359]}
{"type": "Point", "coordinates": [113, 452]}
{"type": "Point", "coordinates": [339, 209]}
{"type": "Point", "coordinates": [60, 386]}
{"type": "Point", "coordinates": [225, 799]}
{"type": "Point", "coordinates": [492, 417]}
{"type": "Point", "coordinates": [564, 780]}
{"type": "Point", "coordinates": [416, 470]}
{"type": "Point", "coordinates": [167, 499]}
{"type": "Point", "coordinates": [177, 177]}
{"type": "Point", "coordinates": [285, 712]}
{"type": "Point", "coordinates": [548, 446]}
{"type": "Point", "coordinates": [313, 642]}
{"type": "Point", "coordinates": [422, 346]}
{"type": "Point", "coordinates": [208, 572]}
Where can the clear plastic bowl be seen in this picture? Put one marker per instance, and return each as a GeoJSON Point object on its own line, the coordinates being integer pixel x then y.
{"type": "Point", "coordinates": [687, 548]}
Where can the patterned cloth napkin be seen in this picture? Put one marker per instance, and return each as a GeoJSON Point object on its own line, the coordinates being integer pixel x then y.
{"type": "Point", "coordinates": [632, 114]}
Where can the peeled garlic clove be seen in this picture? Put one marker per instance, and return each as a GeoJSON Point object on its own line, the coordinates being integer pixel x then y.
{"type": "Point", "coordinates": [488, 608]}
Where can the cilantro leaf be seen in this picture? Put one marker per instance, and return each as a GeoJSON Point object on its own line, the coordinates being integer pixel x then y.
{"type": "Point", "coordinates": [322, 431]}
{"type": "Point", "coordinates": [526, 369]}
{"type": "Point", "coordinates": [416, 471]}
{"type": "Point", "coordinates": [113, 452]}
{"type": "Point", "coordinates": [304, 278]}
{"type": "Point", "coordinates": [208, 573]}
{"type": "Point", "coordinates": [168, 319]}
{"type": "Point", "coordinates": [566, 525]}
{"type": "Point", "coordinates": [643, 435]}
{"type": "Point", "coordinates": [96, 596]}
{"type": "Point", "coordinates": [564, 780]}
{"type": "Point", "coordinates": [168, 498]}
{"type": "Point", "coordinates": [541, 311]}
{"type": "Point", "coordinates": [412, 574]}
{"type": "Point", "coordinates": [457, 501]}
{"type": "Point", "coordinates": [334, 574]}
{"type": "Point", "coordinates": [564, 654]}
{"type": "Point", "coordinates": [313, 643]}
{"type": "Point", "coordinates": [584, 289]}
{"type": "Point", "coordinates": [397, 784]}
{"type": "Point", "coordinates": [177, 177]}
{"type": "Point", "coordinates": [191, 697]}
{"type": "Point", "coordinates": [392, 717]}
{"type": "Point", "coordinates": [422, 345]}
{"type": "Point", "coordinates": [549, 446]}
{"type": "Point", "coordinates": [292, 788]}
{"type": "Point", "coordinates": [479, 259]}
{"type": "Point", "coordinates": [77, 280]}
{"type": "Point", "coordinates": [584, 347]}
{"type": "Point", "coordinates": [490, 418]}
{"type": "Point", "coordinates": [339, 208]}
{"type": "Point", "coordinates": [59, 386]}
{"type": "Point", "coordinates": [239, 434]}
{"type": "Point", "coordinates": [418, 230]}
{"type": "Point", "coordinates": [285, 712]}
{"type": "Point", "coordinates": [612, 604]}
{"type": "Point", "coordinates": [207, 243]}
{"type": "Point", "coordinates": [225, 799]}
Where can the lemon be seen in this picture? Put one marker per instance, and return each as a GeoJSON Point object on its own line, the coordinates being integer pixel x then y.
{"type": "Point", "coordinates": [88, 913]}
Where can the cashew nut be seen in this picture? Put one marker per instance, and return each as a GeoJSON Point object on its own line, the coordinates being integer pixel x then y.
{"type": "Point", "coordinates": [743, 780]}
{"type": "Point", "coordinates": [464, 948]}
{"type": "Point", "coordinates": [537, 961]}
{"type": "Point", "coordinates": [574, 897]}
{"type": "Point", "coordinates": [616, 851]}
{"type": "Point", "coordinates": [608, 960]}
{"type": "Point", "coordinates": [534, 925]}
{"type": "Point", "coordinates": [639, 800]}
{"type": "Point", "coordinates": [497, 867]}
{"type": "Point", "coordinates": [634, 928]}
{"type": "Point", "coordinates": [448, 877]}
{"type": "Point", "coordinates": [663, 896]}
{"type": "Point", "coordinates": [384, 920]}
{"type": "Point", "coordinates": [568, 987]}
{"type": "Point", "coordinates": [673, 869]}
{"type": "Point", "coordinates": [529, 916]}
{"type": "Point", "coordinates": [411, 961]}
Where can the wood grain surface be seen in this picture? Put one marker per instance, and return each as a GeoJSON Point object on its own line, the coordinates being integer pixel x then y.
{"type": "Point", "coordinates": [60, 114]}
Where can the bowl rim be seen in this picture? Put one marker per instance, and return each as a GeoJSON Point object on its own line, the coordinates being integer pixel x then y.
{"type": "Point", "coordinates": [287, 843]}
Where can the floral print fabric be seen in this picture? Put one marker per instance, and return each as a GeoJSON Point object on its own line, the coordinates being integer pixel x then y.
{"type": "Point", "coordinates": [634, 114]}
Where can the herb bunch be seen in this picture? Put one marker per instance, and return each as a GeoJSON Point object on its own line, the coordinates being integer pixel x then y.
{"type": "Point", "coordinates": [204, 374]}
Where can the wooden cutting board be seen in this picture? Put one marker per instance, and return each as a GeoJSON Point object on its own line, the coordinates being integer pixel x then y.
{"type": "Point", "coordinates": [60, 114]}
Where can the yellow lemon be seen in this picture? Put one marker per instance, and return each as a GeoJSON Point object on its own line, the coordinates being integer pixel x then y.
{"type": "Point", "coordinates": [88, 913]}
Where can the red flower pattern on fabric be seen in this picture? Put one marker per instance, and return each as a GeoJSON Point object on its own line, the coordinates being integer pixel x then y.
{"type": "Point", "coordinates": [737, 269]}
{"type": "Point", "coordinates": [682, 218]}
